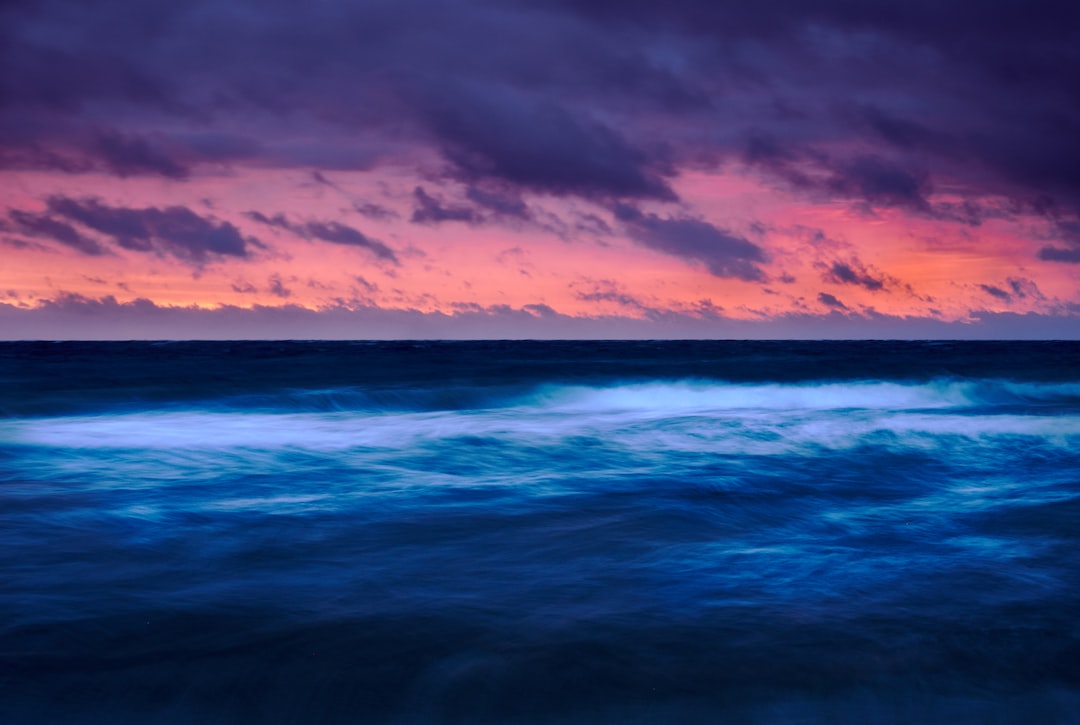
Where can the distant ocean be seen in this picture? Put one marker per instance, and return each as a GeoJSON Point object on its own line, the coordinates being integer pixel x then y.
{"type": "Point", "coordinates": [540, 532]}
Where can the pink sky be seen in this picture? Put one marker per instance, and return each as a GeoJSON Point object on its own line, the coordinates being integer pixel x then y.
{"type": "Point", "coordinates": [925, 268]}
{"type": "Point", "coordinates": [684, 173]}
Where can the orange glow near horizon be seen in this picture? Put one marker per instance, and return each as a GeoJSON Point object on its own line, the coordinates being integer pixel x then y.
{"type": "Point", "coordinates": [926, 267]}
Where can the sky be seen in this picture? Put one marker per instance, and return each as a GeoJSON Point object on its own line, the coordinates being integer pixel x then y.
{"type": "Point", "coordinates": [559, 169]}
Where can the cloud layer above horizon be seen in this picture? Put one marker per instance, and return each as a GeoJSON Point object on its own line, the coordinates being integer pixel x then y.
{"type": "Point", "coordinates": [692, 165]}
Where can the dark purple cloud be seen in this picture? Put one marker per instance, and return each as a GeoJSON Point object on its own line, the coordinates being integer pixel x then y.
{"type": "Point", "coordinates": [871, 180]}
{"type": "Point", "coordinates": [277, 220]}
{"type": "Point", "coordinates": [127, 155]}
{"type": "Point", "coordinates": [72, 316]}
{"type": "Point", "coordinates": [722, 253]}
{"type": "Point", "coordinates": [1069, 234]}
{"type": "Point", "coordinates": [277, 287]}
{"type": "Point", "coordinates": [608, 290]}
{"type": "Point", "coordinates": [878, 104]}
{"type": "Point", "coordinates": [831, 301]}
{"type": "Point", "coordinates": [341, 234]}
{"type": "Point", "coordinates": [374, 211]}
{"type": "Point", "coordinates": [854, 272]}
{"type": "Point", "coordinates": [430, 210]}
{"type": "Point", "coordinates": [46, 227]}
{"type": "Point", "coordinates": [619, 298]}
{"type": "Point", "coordinates": [212, 147]}
{"type": "Point", "coordinates": [331, 231]}
{"type": "Point", "coordinates": [124, 154]}
{"type": "Point", "coordinates": [1025, 288]}
{"type": "Point", "coordinates": [904, 133]}
{"type": "Point", "coordinates": [486, 206]}
{"type": "Point", "coordinates": [499, 203]}
{"type": "Point", "coordinates": [539, 145]}
{"type": "Point", "coordinates": [879, 182]}
{"type": "Point", "coordinates": [996, 292]}
{"type": "Point", "coordinates": [174, 230]}
{"type": "Point", "coordinates": [1060, 254]}
{"type": "Point", "coordinates": [1018, 288]}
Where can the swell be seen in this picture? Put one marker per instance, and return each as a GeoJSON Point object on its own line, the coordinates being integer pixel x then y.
{"type": "Point", "coordinates": [660, 397]}
{"type": "Point", "coordinates": [59, 378]}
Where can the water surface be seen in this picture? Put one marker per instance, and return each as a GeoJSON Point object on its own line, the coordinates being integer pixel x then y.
{"type": "Point", "coordinates": [540, 532]}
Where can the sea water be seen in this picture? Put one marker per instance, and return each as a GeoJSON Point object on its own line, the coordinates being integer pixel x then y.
{"type": "Point", "coordinates": [768, 532]}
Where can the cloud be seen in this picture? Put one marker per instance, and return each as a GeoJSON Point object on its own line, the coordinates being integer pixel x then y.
{"type": "Point", "coordinates": [996, 292]}
{"type": "Point", "coordinates": [593, 99]}
{"type": "Point", "coordinates": [722, 253]}
{"type": "Point", "coordinates": [331, 231]}
{"type": "Point", "coordinates": [72, 316]}
{"type": "Point", "coordinates": [830, 301]}
{"type": "Point", "coordinates": [854, 272]}
{"type": "Point", "coordinates": [129, 155]}
{"type": "Point", "coordinates": [541, 310]}
{"type": "Point", "coordinates": [879, 182]}
{"type": "Point", "coordinates": [341, 234]}
{"type": "Point", "coordinates": [1018, 288]}
{"type": "Point", "coordinates": [278, 220]}
{"type": "Point", "coordinates": [174, 230]}
{"type": "Point", "coordinates": [499, 203]}
{"type": "Point", "coordinates": [278, 288]}
{"type": "Point", "coordinates": [871, 180]}
{"type": "Point", "coordinates": [1060, 254]}
{"type": "Point", "coordinates": [81, 150]}
{"type": "Point", "coordinates": [374, 211]}
{"type": "Point", "coordinates": [1025, 288]}
{"type": "Point", "coordinates": [45, 226]}
{"type": "Point", "coordinates": [217, 147]}
{"type": "Point", "coordinates": [430, 210]}
{"type": "Point", "coordinates": [608, 290]}
{"type": "Point", "coordinates": [904, 133]}
{"type": "Point", "coordinates": [539, 145]}
{"type": "Point", "coordinates": [369, 287]}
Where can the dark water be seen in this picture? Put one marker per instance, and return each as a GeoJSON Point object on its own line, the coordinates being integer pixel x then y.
{"type": "Point", "coordinates": [540, 532]}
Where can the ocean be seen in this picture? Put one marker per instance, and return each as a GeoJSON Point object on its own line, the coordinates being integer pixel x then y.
{"type": "Point", "coordinates": [540, 532]}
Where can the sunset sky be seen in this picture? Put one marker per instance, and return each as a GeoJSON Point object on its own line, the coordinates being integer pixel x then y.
{"type": "Point", "coordinates": [473, 168]}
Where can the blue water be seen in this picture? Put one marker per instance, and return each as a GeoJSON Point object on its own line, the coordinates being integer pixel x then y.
{"type": "Point", "coordinates": [736, 532]}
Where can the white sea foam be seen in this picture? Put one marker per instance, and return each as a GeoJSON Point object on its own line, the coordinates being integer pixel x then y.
{"type": "Point", "coordinates": [682, 398]}
{"type": "Point", "coordinates": [687, 397]}
{"type": "Point", "coordinates": [698, 417]}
